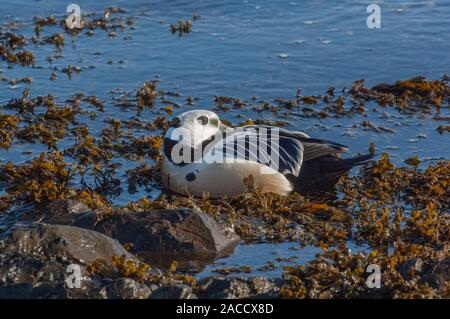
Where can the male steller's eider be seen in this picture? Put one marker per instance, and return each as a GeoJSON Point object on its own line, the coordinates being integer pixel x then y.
{"type": "Point", "coordinates": [202, 155]}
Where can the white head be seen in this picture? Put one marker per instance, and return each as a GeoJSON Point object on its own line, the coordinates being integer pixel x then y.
{"type": "Point", "coordinates": [193, 127]}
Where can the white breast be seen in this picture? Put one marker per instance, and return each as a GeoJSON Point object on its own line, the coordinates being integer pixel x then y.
{"type": "Point", "coordinates": [220, 179]}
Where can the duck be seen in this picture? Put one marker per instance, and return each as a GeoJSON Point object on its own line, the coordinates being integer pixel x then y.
{"type": "Point", "coordinates": [202, 155]}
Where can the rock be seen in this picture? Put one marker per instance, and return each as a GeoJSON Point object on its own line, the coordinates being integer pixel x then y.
{"type": "Point", "coordinates": [80, 245]}
{"type": "Point", "coordinates": [28, 291]}
{"type": "Point", "coordinates": [162, 236]}
{"type": "Point", "coordinates": [239, 287]}
{"type": "Point", "coordinates": [190, 237]}
{"type": "Point", "coordinates": [91, 288]}
{"type": "Point", "coordinates": [59, 207]}
{"type": "Point", "coordinates": [58, 211]}
{"type": "Point", "coordinates": [34, 261]}
{"type": "Point", "coordinates": [177, 291]}
{"type": "Point", "coordinates": [64, 211]}
{"type": "Point", "coordinates": [127, 288]}
{"type": "Point", "coordinates": [3, 205]}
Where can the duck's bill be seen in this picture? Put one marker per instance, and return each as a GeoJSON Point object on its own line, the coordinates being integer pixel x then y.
{"type": "Point", "coordinates": [175, 122]}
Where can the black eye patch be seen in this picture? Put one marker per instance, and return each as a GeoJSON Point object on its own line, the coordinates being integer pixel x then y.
{"type": "Point", "coordinates": [203, 120]}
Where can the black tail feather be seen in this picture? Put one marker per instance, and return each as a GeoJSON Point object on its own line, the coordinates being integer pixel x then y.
{"type": "Point", "coordinates": [321, 174]}
{"type": "Point", "coordinates": [348, 163]}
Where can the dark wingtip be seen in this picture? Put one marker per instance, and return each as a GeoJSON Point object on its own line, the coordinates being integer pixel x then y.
{"type": "Point", "coordinates": [359, 159]}
{"type": "Point", "coordinates": [335, 145]}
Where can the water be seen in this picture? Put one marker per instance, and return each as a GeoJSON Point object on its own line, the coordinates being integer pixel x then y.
{"type": "Point", "coordinates": [268, 259]}
{"type": "Point", "coordinates": [242, 49]}
{"type": "Point", "coordinates": [265, 259]}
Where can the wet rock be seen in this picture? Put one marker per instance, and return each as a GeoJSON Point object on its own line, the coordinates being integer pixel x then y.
{"type": "Point", "coordinates": [34, 261]}
{"type": "Point", "coordinates": [177, 291]}
{"type": "Point", "coordinates": [67, 207]}
{"type": "Point", "coordinates": [162, 236]}
{"type": "Point", "coordinates": [64, 211]}
{"type": "Point", "coordinates": [188, 236]}
{"type": "Point", "coordinates": [3, 205]}
{"type": "Point", "coordinates": [127, 288]}
{"type": "Point", "coordinates": [58, 211]}
{"type": "Point", "coordinates": [239, 287]}
{"type": "Point", "coordinates": [91, 288]}
{"type": "Point", "coordinates": [63, 242]}
{"type": "Point", "coordinates": [29, 291]}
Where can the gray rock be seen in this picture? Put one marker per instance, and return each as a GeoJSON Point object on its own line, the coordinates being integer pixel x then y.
{"type": "Point", "coordinates": [3, 205]}
{"type": "Point", "coordinates": [61, 242]}
{"type": "Point", "coordinates": [34, 261]}
{"type": "Point", "coordinates": [176, 291]}
{"type": "Point", "coordinates": [29, 291]}
{"type": "Point", "coordinates": [58, 211]}
{"type": "Point", "coordinates": [64, 211]}
{"type": "Point", "coordinates": [162, 236]}
{"type": "Point", "coordinates": [91, 288]}
{"type": "Point", "coordinates": [127, 288]}
{"type": "Point", "coordinates": [187, 236]}
{"type": "Point", "coordinates": [59, 207]}
{"type": "Point", "coordinates": [239, 287]}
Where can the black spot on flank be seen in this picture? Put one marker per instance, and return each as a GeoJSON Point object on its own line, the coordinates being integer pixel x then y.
{"type": "Point", "coordinates": [190, 177]}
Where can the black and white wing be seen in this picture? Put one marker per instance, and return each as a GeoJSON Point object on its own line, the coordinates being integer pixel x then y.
{"type": "Point", "coordinates": [312, 147]}
{"type": "Point", "coordinates": [261, 144]}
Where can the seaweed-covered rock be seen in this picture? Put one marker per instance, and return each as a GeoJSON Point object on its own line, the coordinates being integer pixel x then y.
{"type": "Point", "coordinates": [238, 287]}
{"type": "Point", "coordinates": [162, 236]}
{"type": "Point", "coordinates": [175, 291]}
{"type": "Point", "coordinates": [36, 260]}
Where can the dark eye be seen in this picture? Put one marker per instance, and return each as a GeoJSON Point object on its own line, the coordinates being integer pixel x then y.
{"type": "Point", "coordinates": [203, 120]}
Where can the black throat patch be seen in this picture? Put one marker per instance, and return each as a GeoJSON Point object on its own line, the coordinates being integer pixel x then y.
{"type": "Point", "coordinates": [169, 144]}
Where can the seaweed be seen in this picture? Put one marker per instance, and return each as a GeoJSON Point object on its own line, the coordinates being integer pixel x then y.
{"type": "Point", "coordinates": [181, 28]}
{"type": "Point", "coordinates": [120, 267]}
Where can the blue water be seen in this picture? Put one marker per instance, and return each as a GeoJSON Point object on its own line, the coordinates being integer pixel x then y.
{"type": "Point", "coordinates": [242, 49]}
{"type": "Point", "coordinates": [276, 256]}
